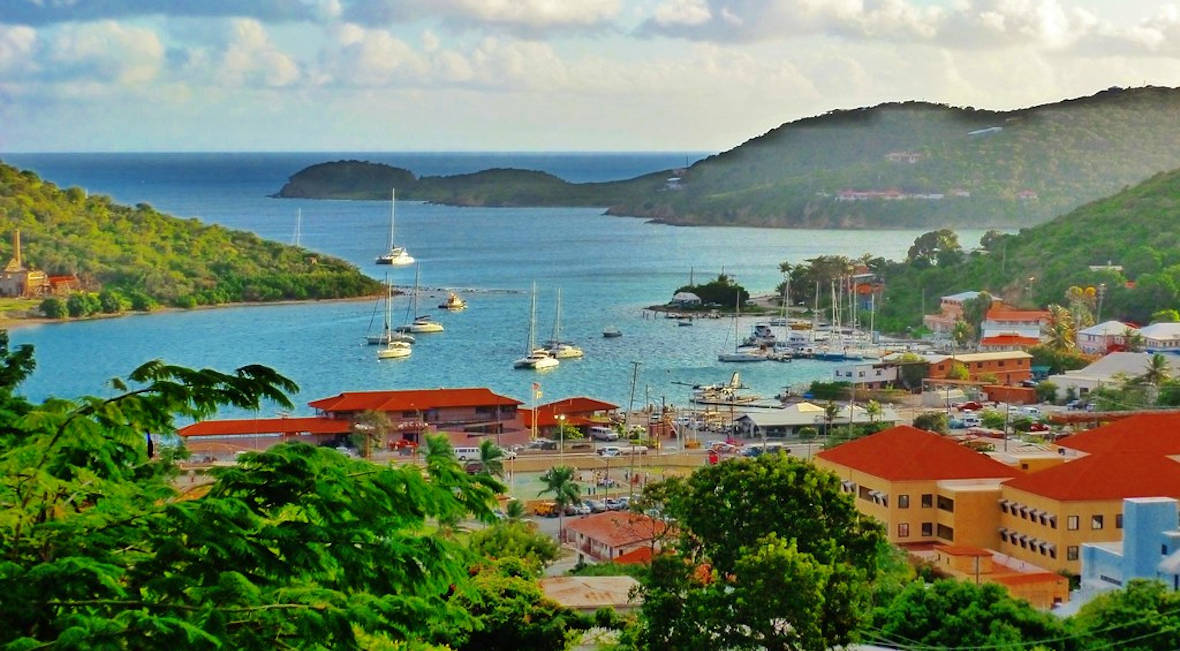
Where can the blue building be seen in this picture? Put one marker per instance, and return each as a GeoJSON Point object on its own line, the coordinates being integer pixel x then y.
{"type": "Point", "coordinates": [1150, 548]}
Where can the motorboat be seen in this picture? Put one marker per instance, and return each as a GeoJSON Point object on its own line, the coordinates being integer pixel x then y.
{"type": "Point", "coordinates": [743, 356]}
{"type": "Point", "coordinates": [761, 336]}
{"type": "Point", "coordinates": [729, 393]}
{"type": "Point", "coordinates": [394, 350]}
{"type": "Point", "coordinates": [610, 332]}
{"type": "Point", "coordinates": [536, 359]}
{"type": "Point", "coordinates": [683, 323]}
{"type": "Point", "coordinates": [397, 256]}
{"type": "Point", "coordinates": [453, 303]}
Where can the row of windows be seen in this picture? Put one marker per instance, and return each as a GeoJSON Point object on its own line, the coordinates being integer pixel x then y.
{"type": "Point", "coordinates": [1044, 548]}
{"type": "Point", "coordinates": [903, 529]}
{"type": "Point", "coordinates": [1097, 522]}
{"type": "Point", "coordinates": [1072, 522]}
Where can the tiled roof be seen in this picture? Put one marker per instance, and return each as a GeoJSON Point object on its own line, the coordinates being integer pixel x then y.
{"type": "Point", "coordinates": [908, 453]}
{"type": "Point", "coordinates": [1106, 476]}
{"type": "Point", "coordinates": [418, 399]}
{"type": "Point", "coordinates": [962, 550]}
{"type": "Point", "coordinates": [637, 556]}
{"type": "Point", "coordinates": [1156, 433]}
{"type": "Point", "coordinates": [1009, 340]}
{"type": "Point", "coordinates": [265, 426]}
{"type": "Point", "coordinates": [617, 528]}
{"type": "Point", "coordinates": [1004, 313]}
{"type": "Point", "coordinates": [577, 404]}
{"type": "Point", "coordinates": [1106, 328]}
{"type": "Point", "coordinates": [549, 419]}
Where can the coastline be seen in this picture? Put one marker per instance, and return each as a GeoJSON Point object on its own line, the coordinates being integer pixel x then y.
{"type": "Point", "coordinates": [9, 323]}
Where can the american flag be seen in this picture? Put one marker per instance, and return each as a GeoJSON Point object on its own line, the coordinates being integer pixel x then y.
{"type": "Point", "coordinates": [536, 390]}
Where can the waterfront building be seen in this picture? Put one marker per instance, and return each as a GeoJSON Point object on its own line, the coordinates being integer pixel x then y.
{"type": "Point", "coordinates": [1007, 367]}
{"type": "Point", "coordinates": [224, 439]}
{"type": "Point", "coordinates": [580, 412]}
{"type": "Point", "coordinates": [868, 375]}
{"type": "Point", "coordinates": [778, 423]}
{"type": "Point", "coordinates": [470, 410]}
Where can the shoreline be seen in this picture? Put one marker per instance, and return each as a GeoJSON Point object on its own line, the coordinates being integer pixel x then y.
{"type": "Point", "coordinates": [9, 323]}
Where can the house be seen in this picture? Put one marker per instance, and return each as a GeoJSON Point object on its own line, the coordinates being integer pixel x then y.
{"type": "Point", "coordinates": [1007, 367]}
{"type": "Point", "coordinates": [580, 412]}
{"type": "Point", "coordinates": [17, 280]}
{"type": "Point", "coordinates": [867, 375]}
{"type": "Point", "coordinates": [586, 594]}
{"type": "Point", "coordinates": [224, 439]}
{"type": "Point", "coordinates": [777, 423]}
{"type": "Point", "coordinates": [1111, 370]}
{"type": "Point", "coordinates": [950, 310]}
{"type": "Point", "coordinates": [686, 299]}
{"type": "Point", "coordinates": [1161, 337]}
{"type": "Point", "coordinates": [608, 535]}
{"type": "Point", "coordinates": [1007, 342]}
{"type": "Point", "coordinates": [475, 411]}
{"type": "Point", "coordinates": [1102, 338]}
{"type": "Point", "coordinates": [1039, 587]}
{"type": "Point", "coordinates": [1002, 320]}
{"type": "Point", "coordinates": [1150, 548]}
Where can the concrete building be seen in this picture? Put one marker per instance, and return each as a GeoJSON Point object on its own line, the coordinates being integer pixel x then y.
{"type": "Point", "coordinates": [1039, 587]}
{"type": "Point", "coordinates": [224, 439]}
{"type": "Point", "coordinates": [587, 594]}
{"type": "Point", "coordinates": [17, 279]}
{"type": "Point", "coordinates": [1111, 370]}
{"type": "Point", "coordinates": [778, 423]}
{"type": "Point", "coordinates": [1007, 367]}
{"type": "Point", "coordinates": [1161, 337]}
{"type": "Point", "coordinates": [867, 375]}
{"type": "Point", "coordinates": [1002, 320]}
{"type": "Point", "coordinates": [580, 412]}
{"type": "Point", "coordinates": [606, 536]}
{"type": "Point", "coordinates": [472, 410]}
{"type": "Point", "coordinates": [950, 309]}
{"type": "Point", "coordinates": [1103, 338]}
{"type": "Point", "coordinates": [1150, 548]}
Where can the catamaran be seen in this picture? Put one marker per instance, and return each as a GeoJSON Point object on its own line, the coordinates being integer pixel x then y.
{"type": "Point", "coordinates": [422, 323]}
{"type": "Point", "coordinates": [387, 334]}
{"type": "Point", "coordinates": [536, 359]}
{"type": "Point", "coordinates": [739, 355]}
{"type": "Point", "coordinates": [397, 255]}
{"type": "Point", "coordinates": [556, 347]}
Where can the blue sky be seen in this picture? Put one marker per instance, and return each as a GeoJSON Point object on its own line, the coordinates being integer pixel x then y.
{"type": "Point", "coordinates": [229, 75]}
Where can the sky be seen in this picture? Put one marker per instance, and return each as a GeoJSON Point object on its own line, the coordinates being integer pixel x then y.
{"type": "Point", "coordinates": [537, 75]}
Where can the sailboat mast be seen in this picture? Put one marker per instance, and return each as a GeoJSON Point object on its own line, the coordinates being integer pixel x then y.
{"type": "Point", "coordinates": [392, 214]}
{"type": "Point", "coordinates": [532, 320]}
{"type": "Point", "coordinates": [557, 320]}
{"type": "Point", "coordinates": [298, 226]}
{"type": "Point", "coordinates": [388, 306]}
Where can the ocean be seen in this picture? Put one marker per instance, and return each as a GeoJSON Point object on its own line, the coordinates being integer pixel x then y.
{"type": "Point", "coordinates": [608, 268]}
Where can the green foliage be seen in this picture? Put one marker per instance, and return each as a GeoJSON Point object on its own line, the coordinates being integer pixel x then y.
{"type": "Point", "coordinates": [1170, 315]}
{"type": "Point", "coordinates": [295, 547]}
{"type": "Point", "coordinates": [514, 539]}
{"type": "Point", "coordinates": [559, 481]}
{"type": "Point", "coordinates": [1046, 391]}
{"type": "Point", "coordinates": [932, 421]}
{"type": "Point", "coordinates": [808, 433]}
{"type": "Point", "coordinates": [912, 370]}
{"type": "Point", "coordinates": [958, 371]}
{"type": "Point", "coordinates": [821, 390]}
{"type": "Point", "coordinates": [960, 614]}
{"type": "Point", "coordinates": [1143, 616]}
{"type": "Point", "coordinates": [151, 257]}
{"type": "Point", "coordinates": [370, 431]}
{"type": "Point", "coordinates": [1058, 361]}
{"type": "Point", "coordinates": [722, 291]}
{"type": "Point", "coordinates": [53, 308]}
{"type": "Point", "coordinates": [636, 571]}
{"type": "Point", "coordinates": [939, 247]}
{"type": "Point", "coordinates": [993, 419]}
{"type": "Point", "coordinates": [790, 559]}
{"type": "Point", "coordinates": [110, 302]}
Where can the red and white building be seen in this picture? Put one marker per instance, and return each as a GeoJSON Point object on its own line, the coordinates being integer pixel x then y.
{"type": "Point", "coordinates": [580, 412]}
{"type": "Point", "coordinates": [1105, 337]}
{"type": "Point", "coordinates": [950, 310]}
{"type": "Point", "coordinates": [1006, 328]}
{"type": "Point", "coordinates": [606, 536]}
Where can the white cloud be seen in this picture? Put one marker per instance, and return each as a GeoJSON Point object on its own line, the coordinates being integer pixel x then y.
{"type": "Point", "coordinates": [533, 18]}
{"type": "Point", "coordinates": [16, 46]}
{"type": "Point", "coordinates": [106, 51]}
{"type": "Point", "coordinates": [251, 59]}
{"type": "Point", "coordinates": [682, 12]}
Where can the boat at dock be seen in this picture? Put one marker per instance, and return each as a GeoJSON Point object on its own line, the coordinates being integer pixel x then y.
{"type": "Point", "coordinates": [728, 394]}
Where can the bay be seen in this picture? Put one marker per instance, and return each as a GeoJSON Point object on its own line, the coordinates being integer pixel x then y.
{"type": "Point", "coordinates": [609, 268]}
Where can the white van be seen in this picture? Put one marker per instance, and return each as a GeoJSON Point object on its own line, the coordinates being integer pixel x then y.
{"type": "Point", "coordinates": [971, 420]}
{"type": "Point", "coordinates": [603, 433]}
{"type": "Point", "coordinates": [466, 454]}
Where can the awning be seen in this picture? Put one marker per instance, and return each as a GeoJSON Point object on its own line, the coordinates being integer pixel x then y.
{"type": "Point", "coordinates": [848, 484]}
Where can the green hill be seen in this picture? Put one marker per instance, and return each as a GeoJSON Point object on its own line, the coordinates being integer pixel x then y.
{"type": "Point", "coordinates": [914, 165]}
{"type": "Point", "coordinates": [1136, 229]}
{"type": "Point", "coordinates": [152, 257]}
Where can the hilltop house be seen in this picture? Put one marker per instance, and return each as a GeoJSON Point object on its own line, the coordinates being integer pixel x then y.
{"type": "Point", "coordinates": [1111, 370]}
{"type": "Point", "coordinates": [1102, 338]}
{"type": "Point", "coordinates": [950, 310]}
{"type": "Point", "coordinates": [1161, 337]}
{"type": "Point", "coordinates": [608, 535]}
{"type": "Point", "coordinates": [1007, 328]}
{"type": "Point", "coordinates": [17, 280]}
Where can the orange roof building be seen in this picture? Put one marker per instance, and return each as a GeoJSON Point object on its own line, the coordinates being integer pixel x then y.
{"type": "Point", "coordinates": [1157, 433]}
{"type": "Point", "coordinates": [906, 453]}
{"type": "Point", "coordinates": [476, 410]}
{"type": "Point", "coordinates": [265, 426]}
{"type": "Point", "coordinates": [580, 412]}
{"type": "Point", "coordinates": [606, 536]}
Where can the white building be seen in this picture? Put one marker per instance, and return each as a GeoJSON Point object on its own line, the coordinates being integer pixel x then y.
{"type": "Point", "coordinates": [1111, 370]}
{"type": "Point", "coordinates": [1101, 338]}
{"type": "Point", "coordinates": [867, 375]}
{"type": "Point", "coordinates": [1161, 337]}
{"type": "Point", "coordinates": [781, 422]}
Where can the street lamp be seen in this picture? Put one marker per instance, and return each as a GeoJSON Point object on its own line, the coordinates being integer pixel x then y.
{"type": "Point", "coordinates": [561, 437]}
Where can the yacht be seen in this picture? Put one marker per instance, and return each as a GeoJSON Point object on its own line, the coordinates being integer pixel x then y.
{"type": "Point", "coordinates": [423, 323]}
{"type": "Point", "coordinates": [394, 350]}
{"type": "Point", "coordinates": [556, 347]}
{"type": "Point", "coordinates": [453, 303]}
{"type": "Point", "coordinates": [610, 332]}
{"type": "Point", "coordinates": [761, 336]}
{"type": "Point", "coordinates": [397, 255]}
{"type": "Point", "coordinates": [536, 359]}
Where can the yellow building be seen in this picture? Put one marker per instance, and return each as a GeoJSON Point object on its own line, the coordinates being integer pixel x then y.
{"type": "Point", "coordinates": [923, 487]}
{"type": "Point", "coordinates": [17, 280]}
{"type": "Point", "coordinates": [1040, 588]}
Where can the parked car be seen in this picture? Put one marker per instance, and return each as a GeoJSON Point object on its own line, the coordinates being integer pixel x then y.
{"type": "Point", "coordinates": [1038, 427]}
{"type": "Point", "coordinates": [1031, 410]}
{"type": "Point", "coordinates": [969, 406]}
{"type": "Point", "coordinates": [603, 433]}
{"type": "Point", "coordinates": [614, 504]}
{"type": "Point", "coordinates": [609, 451]}
{"type": "Point", "coordinates": [595, 506]}
{"type": "Point", "coordinates": [543, 444]}
{"type": "Point", "coordinates": [577, 509]}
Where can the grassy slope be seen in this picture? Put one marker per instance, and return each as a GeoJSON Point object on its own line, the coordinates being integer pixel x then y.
{"type": "Point", "coordinates": [174, 261]}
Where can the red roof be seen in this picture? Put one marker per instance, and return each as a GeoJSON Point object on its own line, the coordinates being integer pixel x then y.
{"type": "Point", "coordinates": [265, 426]}
{"type": "Point", "coordinates": [549, 419]}
{"type": "Point", "coordinates": [413, 400]}
{"type": "Point", "coordinates": [962, 550]}
{"type": "Point", "coordinates": [1009, 340]}
{"type": "Point", "coordinates": [1005, 313]}
{"type": "Point", "coordinates": [1106, 476]}
{"type": "Point", "coordinates": [907, 453]}
{"type": "Point", "coordinates": [577, 405]}
{"type": "Point", "coordinates": [618, 528]}
{"type": "Point", "coordinates": [1157, 433]}
{"type": "Point", "coordinates": [637, 556]}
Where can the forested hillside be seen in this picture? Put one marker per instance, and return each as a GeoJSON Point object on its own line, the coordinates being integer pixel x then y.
{"type": "Point", "coordinates": [149, 257]}
{"type": "Point", "coordinates": [1137, 229]}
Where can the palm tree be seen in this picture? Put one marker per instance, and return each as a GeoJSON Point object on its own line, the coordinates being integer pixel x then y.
{"type": "Point", "coordinates": [1062, 331]}
{"type": "Point", "coordinates": [514, 510]}
{"type": "Point", "coordinates": [873, 410]}
{"type": "Point", "coordinates": [1155, 373]}
{"type": "Point", "coordinates": [559, 480]}
{"type": "Point", "coordinates": [369, 431]}
{"type": "Point", "coordinates": [831, 411]}
{"type": "Point", "coordinates": [491, 458]}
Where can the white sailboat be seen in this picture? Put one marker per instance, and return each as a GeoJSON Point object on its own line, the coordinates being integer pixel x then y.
{"type": "Point", "coordinates": [387, 334]}
{"type": "Point", "coordinates": [557, 347]}
{"type": "Point", "coordinates": [394, 350]}
{"type": "Point", "coordinates": [397, 255]}
{"type": "Point", "coordinates": [423, 323]}
{"type": "Point", "coordinates": [739, 355]}
{"type": "Point", "coordinates": [536, 359]}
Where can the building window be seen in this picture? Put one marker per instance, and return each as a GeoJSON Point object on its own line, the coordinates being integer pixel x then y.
{"type": "Point", "coordinates": [927, 529]}
{"type": "Point", "coordinates": [1118, 521]}
{"type": "Point", "coordinates": [1001, 362]}
{"type": "Point", "coordinates": [1052, 552]}
{"type": "Point", "coordinates": [1004, 536]}
{"type": "Point", "coordinates": [903, 501]}
{"type": "Point", "coordinates": [946, 533]}
{"type": "Point", "coordinates": [1096, 522]}
{"type": "Point", "coordinates": [903, 530]}
{"type": "Point", "coordinates": [927, 500]}
{"type": "Point", "coordinates": [1071, 553]}
{"type": "Point", "coordinates": [865, 493]}
{"type": "Point", "coordinates": [1071, 522]}
{"type": "Point", "coordinates": [946, 504]}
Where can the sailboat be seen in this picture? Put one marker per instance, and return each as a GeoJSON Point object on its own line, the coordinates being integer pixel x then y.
{"type": "Point", "coordinates": [387, 334]}
{"type": "Point", "coordinates": [535, 358]}
{"type": "Point", "coordinates": [739, 355]}
{"type": "Point", "coordinates": [556, 346]}
{"type": "Point", "coordinates": [397, 255]}
{"type": "Point", "coordinates": [422, 323]}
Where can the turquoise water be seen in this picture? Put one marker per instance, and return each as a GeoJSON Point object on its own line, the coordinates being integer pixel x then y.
{"type": "Point", "coordinates": [609, 268]}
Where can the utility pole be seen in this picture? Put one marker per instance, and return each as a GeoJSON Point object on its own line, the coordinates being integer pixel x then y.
{"type": "Point", "coordinates": [1101, 295]}
{"type": "Point", "coordinates": [630, 406]}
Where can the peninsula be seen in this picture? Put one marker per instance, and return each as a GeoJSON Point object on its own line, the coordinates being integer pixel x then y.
{"type": "Point", "coordinates": [74, 254]}
{"type": "Point", "coordinates": [895, 165]}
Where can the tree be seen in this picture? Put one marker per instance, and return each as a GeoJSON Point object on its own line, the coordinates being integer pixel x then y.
{"type": "Point", "coordinates": [491, 458]}
{"type": "Point", "coordinates": [789, 559]}
{"type": "Point", "coordinates": [1143, 615]}
{"type": "Point", "coordinates": [873, 410]}
{"type": "Point", "coordinates": [958, 371]}
{"type": "Point", "coordinates": [941, 247]}
{"type": "Point", "coordinates": [1046, 391]}
{"type": "Point", "coordinates": [962, 333]}
{"type": "Point", "coordinates": [831, 411]}
{"type": "Point", "coordinates": [509, 539]}
{"type": "Point", "coordinates": [912, 369]}
{"type": "Point", "coordinates": [932, 421]}
{"type": "Point", "coordinates": [1062, 330]}
{"type": "Point", "coordinates": [1156, 371]}
{"type": "Point", "coordinates": [975, 312]}
{"type": "Point", "coordinates": [992, 240]}
{"type": "Point", "coordinates": [1133, 341]}
{"type": "Point", "coordinates": [514, 510]}
{"type": "Point", "coordinates": [53, 308]}
{"type": "Point", "coordinates": [1165, 316]}
{"type": "Point", "coordinates": [295, 547]}
{"type": "Point", "coordinates": [993, 419]}
{"type": "Point", "coordinates": [808, 433]}
{"type": "Point", "coordinates": [109, 302]}
{"type": "Point", "coordinates": [370, 430]}
{"type": "Point", "coordinates": [960, 614]}
{"type": "Point", "coordinates": [559, 480]}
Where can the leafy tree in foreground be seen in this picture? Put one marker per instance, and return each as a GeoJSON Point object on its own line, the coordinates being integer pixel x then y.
{"type": "Point", "coordinates": [514, 539]}
{"type": "Point", "coordinates": [1145, 615]}
{"type": "Point", "coordinates": [296, 547]}
{"type": "Point", "coordinates": [932, 421]}
{"type": "Point", "coordinates": [788, 559]}
{"type": "Point", "coordinates": [960, 614]}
